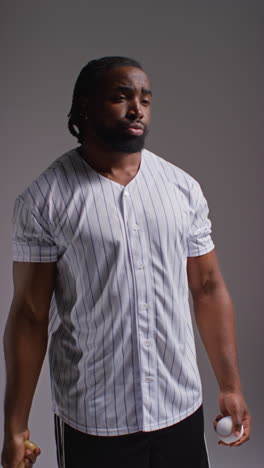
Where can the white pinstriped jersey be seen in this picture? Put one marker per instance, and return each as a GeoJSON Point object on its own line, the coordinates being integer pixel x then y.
{"type": "Point", "coordinates": [122, 353]}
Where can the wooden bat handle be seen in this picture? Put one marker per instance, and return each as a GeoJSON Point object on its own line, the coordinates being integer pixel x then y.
{"type": "Point", "coordinates": [28, 445]}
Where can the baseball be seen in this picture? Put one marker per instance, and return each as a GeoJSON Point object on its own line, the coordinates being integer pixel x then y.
{"type": "Point", "coordinates": [224, 430]}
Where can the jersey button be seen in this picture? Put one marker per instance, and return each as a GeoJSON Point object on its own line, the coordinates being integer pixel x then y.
{"type": "Point", "coordinates": [148, 379]}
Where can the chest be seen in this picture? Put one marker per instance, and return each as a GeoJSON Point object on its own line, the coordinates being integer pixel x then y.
{"type": "Point", "coordinates": [101, 220]}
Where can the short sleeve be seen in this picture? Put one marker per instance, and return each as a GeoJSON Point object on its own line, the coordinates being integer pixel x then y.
{"type": "Point", "coordinates": [199, 240]}
{"type": "Point", "coordinates": [32, 240]}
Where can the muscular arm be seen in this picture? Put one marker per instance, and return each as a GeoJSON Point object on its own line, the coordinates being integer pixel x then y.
{"type": "Point", "coordinates": [214, 315]}
{"type": "Point", "coordinates": [25, 341]}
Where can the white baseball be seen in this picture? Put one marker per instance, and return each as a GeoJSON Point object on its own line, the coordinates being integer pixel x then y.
{"type": "Point", "coordinates": [224, 430]}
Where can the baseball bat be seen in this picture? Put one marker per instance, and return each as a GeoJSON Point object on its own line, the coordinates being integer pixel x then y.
{"type": "Point", "coordinates": [28, 445]}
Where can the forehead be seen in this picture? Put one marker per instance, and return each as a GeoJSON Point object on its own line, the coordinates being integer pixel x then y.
{"type": "Point", "coordinates": [127, 76]}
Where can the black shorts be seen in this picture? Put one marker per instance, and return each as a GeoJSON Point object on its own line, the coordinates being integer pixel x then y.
{"type": "Point", "coordinates": [179, 446]}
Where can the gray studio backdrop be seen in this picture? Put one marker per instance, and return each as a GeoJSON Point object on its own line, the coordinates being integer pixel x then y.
{"type": "Point", "coordinates": [205, 59]}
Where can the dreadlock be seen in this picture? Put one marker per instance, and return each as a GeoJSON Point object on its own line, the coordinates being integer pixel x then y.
{"type": "Point", "coordinates": [86, 84]}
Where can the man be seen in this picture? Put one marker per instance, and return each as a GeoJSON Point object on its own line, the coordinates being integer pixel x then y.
{"type": "Point", "coordinates": [106, 243]}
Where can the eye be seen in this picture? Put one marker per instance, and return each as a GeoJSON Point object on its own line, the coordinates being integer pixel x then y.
{"type": "Point", "coordinates": [146, 102]}
{"type": "Point", "coordinates": [118, 98]}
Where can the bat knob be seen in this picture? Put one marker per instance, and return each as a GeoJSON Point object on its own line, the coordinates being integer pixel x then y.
{"type": "Point", "coordinates": [30, 446]}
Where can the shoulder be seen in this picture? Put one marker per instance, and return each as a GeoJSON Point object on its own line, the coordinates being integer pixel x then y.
{"type": "Point", "coordinates": [173, 174]}
{"type": "Point", "coordinates": [46, 187]}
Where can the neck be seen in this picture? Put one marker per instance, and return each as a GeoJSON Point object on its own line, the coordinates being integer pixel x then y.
{"type": "Point", "coordinates": [109, 161]}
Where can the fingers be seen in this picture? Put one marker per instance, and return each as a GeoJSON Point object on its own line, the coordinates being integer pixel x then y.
{"type": "Point", "coordinates": [31, 456]}
{"type": "Point", "coordinates": [246, 423]}
{"type": "Point", "coordinates": [32, 451]}
{"type": "Point", "coordinates": [247, 428]}
{"type": "Point", "coordinates": [237, 417]}
{"type": "Point", "coordinates": [233, 404]}
{"type": "Point", "coordinates": [18, 451]}
{"type": "Point", "coordinates": [218, 417]}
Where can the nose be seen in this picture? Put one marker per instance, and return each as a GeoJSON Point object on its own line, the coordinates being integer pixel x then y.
{"type": "Point", "coordinates": [135, 110]}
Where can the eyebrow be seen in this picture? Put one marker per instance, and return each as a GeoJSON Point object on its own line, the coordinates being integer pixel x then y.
{"type": "Point", "coordinates": [129, 88]}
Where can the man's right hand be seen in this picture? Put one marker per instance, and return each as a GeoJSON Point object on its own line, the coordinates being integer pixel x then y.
{"type": "Point", "coordinates": [14, 451]}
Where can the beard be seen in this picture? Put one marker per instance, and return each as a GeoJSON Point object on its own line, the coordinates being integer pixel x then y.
{"type": "Point", "coordinates": [126, 143]}
{"type": "Point", "coordinates": [116, 140]}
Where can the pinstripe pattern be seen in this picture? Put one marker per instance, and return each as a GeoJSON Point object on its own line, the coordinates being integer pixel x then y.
{"type": "Point", "coordinates": [122, 353]}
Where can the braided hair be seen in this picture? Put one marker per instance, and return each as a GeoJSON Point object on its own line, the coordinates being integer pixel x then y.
{"type": "Point", "coordinates": [87, 83]}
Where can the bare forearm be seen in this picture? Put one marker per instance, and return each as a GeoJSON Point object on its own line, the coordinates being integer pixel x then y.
{"type": "Point", "coordinates": [215, 320]}
{"type": "Point", "coordinates": [25, 344]}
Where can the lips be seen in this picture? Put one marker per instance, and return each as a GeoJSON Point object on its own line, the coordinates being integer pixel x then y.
{"type": "Point", "coordinates": [135, 129]}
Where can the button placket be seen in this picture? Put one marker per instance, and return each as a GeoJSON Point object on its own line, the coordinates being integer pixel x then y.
{"type": "Point", "coordinates": [143, 319]}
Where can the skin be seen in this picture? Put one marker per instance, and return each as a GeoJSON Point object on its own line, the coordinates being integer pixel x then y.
{"type": "Point", "coordinates": [214, 314]}
{"type": "Point", "coordinates": [25, 344]}
{"type": "Point", "coordinates": [26, 332]}
{"type": "Point", "coordinates": [124, 98]}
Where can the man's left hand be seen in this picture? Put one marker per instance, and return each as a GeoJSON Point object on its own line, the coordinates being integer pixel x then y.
{"type": "Point", "coordinates": [233, 404]}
